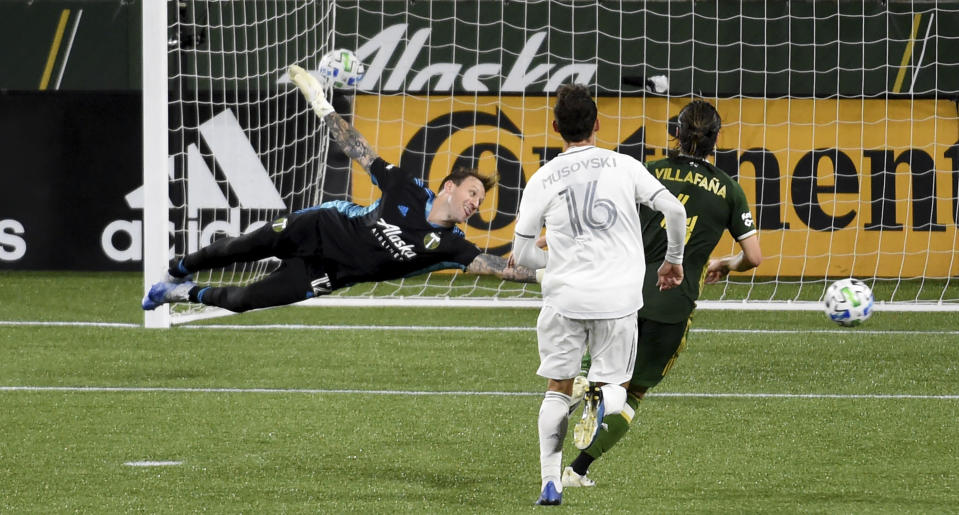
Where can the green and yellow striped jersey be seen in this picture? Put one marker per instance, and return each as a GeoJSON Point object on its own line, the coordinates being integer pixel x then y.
{"type": "Point", "coordinates": [714, 203]}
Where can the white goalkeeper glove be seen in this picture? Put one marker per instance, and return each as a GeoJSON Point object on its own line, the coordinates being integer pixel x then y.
{"type": "Point", "coordinates": [312, 90]}
{"type": "Point", "coordinates": [657, 83]}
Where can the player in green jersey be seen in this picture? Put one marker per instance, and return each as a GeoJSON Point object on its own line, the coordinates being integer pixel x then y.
{"type": "Point", "coordinates": [714, 204]}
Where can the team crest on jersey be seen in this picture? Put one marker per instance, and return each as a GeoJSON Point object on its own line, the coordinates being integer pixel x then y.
{"type": "Point", "coordinates": [279, 224]}
{"type": "Point", "coordinates": [431, 241]}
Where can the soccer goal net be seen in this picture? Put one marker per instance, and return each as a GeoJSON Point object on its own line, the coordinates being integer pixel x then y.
{"type": "Point", "coordinates": [839, 121]}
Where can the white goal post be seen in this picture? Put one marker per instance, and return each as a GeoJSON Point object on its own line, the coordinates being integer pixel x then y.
{"type": "Point", "coordinates": [839, 121]}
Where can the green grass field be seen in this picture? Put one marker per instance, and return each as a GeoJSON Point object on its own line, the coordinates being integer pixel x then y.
{"type": "Point", "coordinates": [778, 412]}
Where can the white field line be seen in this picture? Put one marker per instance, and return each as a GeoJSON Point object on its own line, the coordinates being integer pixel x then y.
{"type": "Point", "coordinates": [45, 323]}
{"type": "Point", "coordinates": [311, 391]}
{"type": "Point", "coordinates": [312, 327]}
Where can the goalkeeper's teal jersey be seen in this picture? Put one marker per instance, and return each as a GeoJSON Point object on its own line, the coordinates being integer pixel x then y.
{"type": "Point", "coordinates": [714, 203]}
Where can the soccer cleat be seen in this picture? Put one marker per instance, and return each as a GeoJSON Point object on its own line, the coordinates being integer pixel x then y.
{"type": "Point", "coordinates": [571, 478]}
{"type": "Point", "coordinates": [580, 385]}
{"type": "Point", "coordinates": [165, 292]}
{"type": "Point", "coordinates": [311, 89]}
{"type": "Point", "coordinates": [550, 496]}
{"type": "Point", "coordinates": [592, 420]}
{"type": "Point", "coordinates": [170, 278]}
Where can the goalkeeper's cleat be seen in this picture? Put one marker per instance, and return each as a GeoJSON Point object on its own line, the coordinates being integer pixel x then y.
{"type": "Point", "coordinates": [580, 385]}
{"type": "Point", "coordinates": [175, 279]}
{"type": "Point", "coordinates": [550, 496]}
{"type": "Point", "coordinates": [572, 479]}
{"type": "Point", "coordinates": [592, 420]}
{"type": "Point", "coordinates": [311, 89]}
{"type": "Point", "coordinates": [166, 292]}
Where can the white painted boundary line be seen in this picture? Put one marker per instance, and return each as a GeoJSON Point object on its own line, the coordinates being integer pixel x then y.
{"type": "Point", "coordinates": [146, 389]}
{"type": "Point", "coordinates": [536, 302]}
{"type": "Point", "coordinates": [153, 463]}
{"type": "Point", "coordinates": [533, 329]}
{"type": "Point", "coordinates": [309, 327]}
{"type": "Point", "coordinates": [42, 323]}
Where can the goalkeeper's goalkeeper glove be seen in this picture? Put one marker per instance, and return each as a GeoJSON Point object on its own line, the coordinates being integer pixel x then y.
{"type": "Point", "coordinates": [657, 83]}
{"type": "Point", "coordinates": [311, 89]}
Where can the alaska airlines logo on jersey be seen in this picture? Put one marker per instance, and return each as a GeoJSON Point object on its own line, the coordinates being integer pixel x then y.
{"type": "Point", "coordinates": [710, 185]}
{"type": "Point", "coordinates": [596, 162]}
{"type": "Point", "coordinates": [388, 236]}
{"type": "Point", "coordinates": [431, 241]}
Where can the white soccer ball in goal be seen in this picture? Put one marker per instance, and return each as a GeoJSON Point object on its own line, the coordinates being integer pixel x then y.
{"type": "Point", "coordinates": [848, 302]}
{"type": "Point", "coordinates": [341, 69]}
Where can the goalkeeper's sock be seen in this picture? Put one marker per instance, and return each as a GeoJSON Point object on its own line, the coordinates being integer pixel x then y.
{"type": "Point", "coordinates": [553, 424]}
{"type": "Point", "coordinates": [196, 293]}
{"type": "Point", "coordinates": [178, 269]}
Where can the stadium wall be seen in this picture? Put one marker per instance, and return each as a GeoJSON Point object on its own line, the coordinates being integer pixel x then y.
{"type": "Point", "coordinates": [69, 99]}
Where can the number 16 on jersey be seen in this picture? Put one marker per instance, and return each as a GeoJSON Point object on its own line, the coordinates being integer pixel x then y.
{"type": "Point", "coordinates": [595, 214]}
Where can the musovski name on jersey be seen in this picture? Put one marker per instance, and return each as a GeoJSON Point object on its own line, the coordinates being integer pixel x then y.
{"type": "Point", "coordinates": [596, 162]}
{"type": "Point", "coordinates": [388, 235]}
{"type": "Point", "coordinates": [711, 185]}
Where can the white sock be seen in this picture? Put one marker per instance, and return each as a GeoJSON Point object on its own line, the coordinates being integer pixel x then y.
{"type": "Point", "coordinates": [614, 398]}
{"type": "Point", "coordinates": [553, 423]}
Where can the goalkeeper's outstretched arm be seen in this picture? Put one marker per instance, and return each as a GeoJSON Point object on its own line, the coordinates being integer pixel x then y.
{"type": "Point", "coordinates": [350, 141]}
{"type": "Point", "coordinates": [488, 264]}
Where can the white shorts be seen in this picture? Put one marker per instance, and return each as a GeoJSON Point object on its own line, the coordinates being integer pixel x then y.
{"type": "Point", "coordinates": [563, 341]}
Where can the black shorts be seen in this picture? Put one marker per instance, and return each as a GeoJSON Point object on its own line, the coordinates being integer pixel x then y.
{"type": "Point", "coordinates": [658, 347]}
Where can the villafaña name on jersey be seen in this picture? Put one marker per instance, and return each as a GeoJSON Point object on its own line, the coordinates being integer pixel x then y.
{"type": "Point", "coordinates": [712, 186]}
{"type": "Point", "coordinates": [596, 162]}
{"type": "Point", "coordinates": [388, 235]}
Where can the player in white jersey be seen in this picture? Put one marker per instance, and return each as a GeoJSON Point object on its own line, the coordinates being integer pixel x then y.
{"type": "Point", "coordinates": [586, 198]}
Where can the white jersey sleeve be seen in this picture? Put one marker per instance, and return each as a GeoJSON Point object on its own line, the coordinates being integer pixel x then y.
{"type": "Point", "coordinates": [529, 225]}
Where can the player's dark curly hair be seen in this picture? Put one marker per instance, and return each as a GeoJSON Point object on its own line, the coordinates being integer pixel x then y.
{"type": "Point", "coordinates": [461, 172]}
{"type": "Point", "coordinates": [697, 130]}
{"type": "Point", "coordinates": [575, 112]}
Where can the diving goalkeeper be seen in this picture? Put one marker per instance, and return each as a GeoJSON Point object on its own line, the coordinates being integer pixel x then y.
{"type": "Point", "coordinates": [410, 230]}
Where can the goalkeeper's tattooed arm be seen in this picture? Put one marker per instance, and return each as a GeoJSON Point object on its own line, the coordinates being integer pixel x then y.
{"type": "Point", "coordinates": [488, 264]}
{"type": "Point", "coordinates": [350, 141]}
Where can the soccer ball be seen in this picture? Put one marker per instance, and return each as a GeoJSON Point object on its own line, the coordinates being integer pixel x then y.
{"type": "Point", "coordinates": [341, 69]}
{"type": "Point", "coordinates": [848, 302]}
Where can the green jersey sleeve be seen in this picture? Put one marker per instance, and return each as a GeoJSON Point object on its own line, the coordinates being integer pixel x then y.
{"type": "Point", "coordinates": [741, 222]}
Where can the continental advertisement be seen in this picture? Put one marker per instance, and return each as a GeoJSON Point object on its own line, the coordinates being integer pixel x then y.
{"type": "Point", "coordinates": [838, 187]}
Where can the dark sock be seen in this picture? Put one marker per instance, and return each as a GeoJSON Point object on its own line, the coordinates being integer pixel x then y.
{"type": "Point", "coordinates": [581, 463]}
{"type": "Point", "coordinates": [177, 269]}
